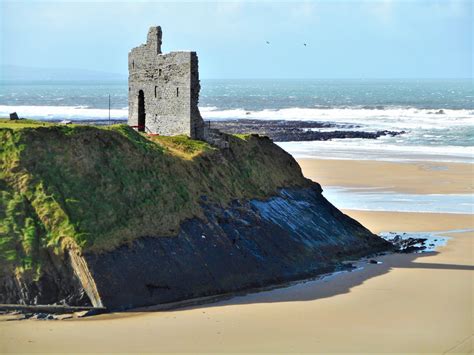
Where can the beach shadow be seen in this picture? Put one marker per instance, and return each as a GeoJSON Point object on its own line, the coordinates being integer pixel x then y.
{"type": "Point", "coordinates": [320, 287]}
{"type": "Point", "coordinates": [331, 285]}
{"type": "Point", "coordinates": [438, 266]}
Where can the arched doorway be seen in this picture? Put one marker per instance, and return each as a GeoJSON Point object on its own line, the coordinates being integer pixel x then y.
{"type": "Point", "coordinates": [141, 111]}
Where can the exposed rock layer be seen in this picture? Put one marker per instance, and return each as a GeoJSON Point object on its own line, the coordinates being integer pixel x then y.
{"type": "Point", "coordinates": [57, 284]}
{"type": "Point", "coordinates": [132, 221]}
{"type": "Point", "coordinates": [250, 244]}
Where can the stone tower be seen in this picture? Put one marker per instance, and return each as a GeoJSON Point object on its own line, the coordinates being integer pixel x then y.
{"type": "Point", "coordinates": [163, 90]}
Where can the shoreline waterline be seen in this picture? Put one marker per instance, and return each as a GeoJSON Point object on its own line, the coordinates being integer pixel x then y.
{"type": "Point", "coordinates": [378, 199]}
{"type": "Point", "coordinates": [306, 318]}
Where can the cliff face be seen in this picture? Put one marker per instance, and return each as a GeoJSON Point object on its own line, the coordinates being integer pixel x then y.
{"type": "Point", "coordinates": [249, 244]}
{"type": "Point", "coordinates": [109, 217]}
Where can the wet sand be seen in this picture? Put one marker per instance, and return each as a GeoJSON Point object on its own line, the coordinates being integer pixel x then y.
{"type": "Point", "coordinates": [412, 177]}
{"type": "Point", "coordinates": [409, 303]}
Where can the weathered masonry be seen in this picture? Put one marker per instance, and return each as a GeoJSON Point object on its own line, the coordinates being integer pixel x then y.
{"type": "Point", "coordinates": [163, 91]}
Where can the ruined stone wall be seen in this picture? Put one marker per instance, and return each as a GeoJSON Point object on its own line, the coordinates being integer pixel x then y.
{"type": "Point", "coordinates": [170, 85]}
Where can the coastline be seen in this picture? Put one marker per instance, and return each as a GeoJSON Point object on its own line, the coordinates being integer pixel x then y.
{"type": "Point", "coordinates": [409, 303]}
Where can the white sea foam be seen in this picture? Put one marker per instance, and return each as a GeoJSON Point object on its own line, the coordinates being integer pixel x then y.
{"type": "Point", "coordinates": [372, 200]}
{"type": "Point", "coordinates": [389, 118]}
{"type": "Point", "coordinates": [63, 112]}
{"type": "Point", "coordinates": [422, 126]}
{"type": "Point", "coordinates": [380, 149]}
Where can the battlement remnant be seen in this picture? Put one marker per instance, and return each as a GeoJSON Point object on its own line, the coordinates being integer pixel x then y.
{"type": "Point", "coordinates": [163, 92]}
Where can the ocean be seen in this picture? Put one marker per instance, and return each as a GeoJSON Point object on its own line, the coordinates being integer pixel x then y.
{"type": "Point", "coordinates": [437, 115]}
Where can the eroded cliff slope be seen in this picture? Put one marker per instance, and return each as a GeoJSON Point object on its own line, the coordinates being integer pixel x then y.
{"type": "Point", "coordinates": [106, 216]}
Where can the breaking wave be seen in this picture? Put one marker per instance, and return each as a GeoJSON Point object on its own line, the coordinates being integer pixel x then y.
{"type": "Point", "coordinates": [64, 112]}
{"type": "Point", "coordinates": [432, 134]}
{"type": "Point", "coordinates": [384, 149]}
{"type": "Point", "coordinates": [386, 118]}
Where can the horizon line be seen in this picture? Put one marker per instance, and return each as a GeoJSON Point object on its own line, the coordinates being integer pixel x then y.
{"type": "Point", "coordinates": [122, 79]}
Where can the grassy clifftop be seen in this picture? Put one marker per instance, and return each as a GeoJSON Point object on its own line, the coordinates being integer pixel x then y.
{"type": "Point", "coordinates": [96, 188]}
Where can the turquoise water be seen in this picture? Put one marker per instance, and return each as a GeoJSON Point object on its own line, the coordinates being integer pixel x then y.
{"type": "Point", "coordinates": [410, 105]}
{"type": "Point", "coordinates": [255, 95]}
{"type": "Point", "coordinates": [379, 200]}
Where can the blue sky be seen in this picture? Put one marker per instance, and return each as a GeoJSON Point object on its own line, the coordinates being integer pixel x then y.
{"type": "Point", "coordinates": [345, 39]}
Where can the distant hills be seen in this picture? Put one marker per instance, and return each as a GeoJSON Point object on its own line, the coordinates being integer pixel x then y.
{"type": "Point", "coordinates": [22, 73]}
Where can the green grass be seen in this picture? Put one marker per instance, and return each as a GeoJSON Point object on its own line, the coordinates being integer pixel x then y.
{"type": "Point", "coordinates": [183, 146]}
{"type": "Point", "coordinates": [23, 123]}
{"type": "Point", "coordinates": [97, 188]}
{"type": "Point", "coordinates": [20, 232]}
{"type": "Point", "coordinates": [243, 136]}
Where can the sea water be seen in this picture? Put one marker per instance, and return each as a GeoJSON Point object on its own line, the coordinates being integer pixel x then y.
{"type": "Point", "coordinates": [367, 199]}
{"type": "Point", "coordinates": [437, 116]}
{"type": "Point", "coordinates": [370, 105]}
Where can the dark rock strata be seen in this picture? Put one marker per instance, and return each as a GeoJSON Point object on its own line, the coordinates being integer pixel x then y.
{"type": "Point", "coordinates": [136, 224]}
{"type": "Point", "coordinates": [251, 244]}
{"type": "Point", "coordinates": [57, 284]}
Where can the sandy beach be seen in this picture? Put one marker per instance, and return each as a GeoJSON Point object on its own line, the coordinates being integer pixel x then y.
{"type": "Point", "coordinates": [285, 177]}
{"type": "Point", "coordinates": [410, 177]}
{"type": "Point", "coordinates": [408, 304]}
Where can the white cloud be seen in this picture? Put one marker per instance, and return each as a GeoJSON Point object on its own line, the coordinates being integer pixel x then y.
{"type": "Point", "coordinates": [229, 8]}
{"type": "Point", "coordinates": [303, 10]}
{"type": "Point", "coordinates": [452, 7]}
{"type": "Point", "coordinates": [382, 10]}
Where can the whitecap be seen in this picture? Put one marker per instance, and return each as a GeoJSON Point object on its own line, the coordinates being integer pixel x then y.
{"type": "Point", "coordinates": [63, 112]}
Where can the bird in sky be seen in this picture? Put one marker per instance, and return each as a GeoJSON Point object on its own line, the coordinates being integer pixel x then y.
{"type": "Point", "coordinates": [304, 44]}
{"type": "Point", "coordinates": [268, 42]}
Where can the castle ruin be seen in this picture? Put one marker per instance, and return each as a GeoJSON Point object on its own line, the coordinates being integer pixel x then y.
{"type": "Point", "coordinates": [163, 90]}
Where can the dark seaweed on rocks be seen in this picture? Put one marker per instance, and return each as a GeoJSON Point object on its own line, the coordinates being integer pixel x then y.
{"type": "Point", "coordinates": [407, 245]}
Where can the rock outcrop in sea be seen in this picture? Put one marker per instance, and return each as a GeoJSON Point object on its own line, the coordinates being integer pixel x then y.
{"type": "Point", "coordinates": [298, 131]}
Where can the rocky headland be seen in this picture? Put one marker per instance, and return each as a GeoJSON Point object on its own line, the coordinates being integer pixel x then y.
{"type": "Point", "coordinates": [107, 217]}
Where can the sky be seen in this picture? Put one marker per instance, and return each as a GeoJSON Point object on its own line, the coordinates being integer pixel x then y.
{"type": "Point", "coordinates": [344, 39]}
